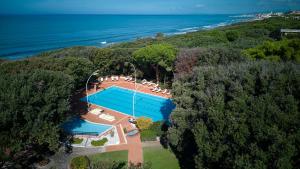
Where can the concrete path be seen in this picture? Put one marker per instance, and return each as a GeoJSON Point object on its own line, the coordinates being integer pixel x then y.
{"type": "Point", "coordinates": [151, 144]}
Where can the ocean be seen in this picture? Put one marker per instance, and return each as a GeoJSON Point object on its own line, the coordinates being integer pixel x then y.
{"type": "Point", "coordinates": [23, 36]}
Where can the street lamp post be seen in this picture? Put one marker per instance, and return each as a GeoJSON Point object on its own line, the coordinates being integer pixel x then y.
{"type": "Point", "coordinates": [133, 98]}
{"type": "Point", "coordinates": [86, 88]}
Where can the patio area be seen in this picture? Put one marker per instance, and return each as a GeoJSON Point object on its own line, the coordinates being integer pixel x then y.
{"type": "Point", "coordinates": [120, 120]}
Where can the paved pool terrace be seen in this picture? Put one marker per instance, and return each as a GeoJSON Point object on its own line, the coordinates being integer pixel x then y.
{"type": "Point", "coordinates": [132, 144]}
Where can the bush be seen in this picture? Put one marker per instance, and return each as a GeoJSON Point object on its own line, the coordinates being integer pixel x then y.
{"type": "Point", "coordinates": [77, 140]}
{"type": "Point", "coordinates": [81, 162]}
{"type": "Point", "coordinates": [144, 123]}
{"type": "Point", "coordinates": [232, 35]}
{"type": "Point", "coordinates": [99, 142]}
{"type": "Point", "coordinates": [124, 130]}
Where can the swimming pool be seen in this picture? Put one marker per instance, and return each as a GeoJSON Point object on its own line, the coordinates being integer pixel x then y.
{"type": "Point", "coordinates": [84, 127]}
{"type": "Point", "coordinates": [120, 99]}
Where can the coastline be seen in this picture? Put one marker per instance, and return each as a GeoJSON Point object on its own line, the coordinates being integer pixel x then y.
{"type": "Point", "coordinates": [17, 55]}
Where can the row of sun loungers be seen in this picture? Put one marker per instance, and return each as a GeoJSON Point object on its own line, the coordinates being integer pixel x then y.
{"type": "Point", "coordinates": [155, 87]}
{"type": "Point", "coordinates": [101, 115]}
{"type": "Point", "coordinates": [113, 78]}
{"type": "Point", "coordinates": [129, 78]}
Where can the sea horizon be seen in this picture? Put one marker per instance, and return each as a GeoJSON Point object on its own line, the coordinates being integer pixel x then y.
{"type": "Point", "coordinates": [46, 32]}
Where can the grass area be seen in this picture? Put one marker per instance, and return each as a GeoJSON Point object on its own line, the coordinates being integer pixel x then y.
{"type": "Point", "coordinates": [116, 156]}
{"type": "Point", "coordinates": [148, 135]}
{"type": "Point", "coordinates": [77, 140]}
{"type": "Point", "coordinates": [99, 142]}
{"type": "Point", "coordinates": [160, 158]}
{"type": "Point", "coordinates": [154, 130]}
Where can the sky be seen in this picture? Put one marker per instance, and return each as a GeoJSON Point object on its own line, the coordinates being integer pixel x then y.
{"type": "Point", "coordinates": [145, 6]}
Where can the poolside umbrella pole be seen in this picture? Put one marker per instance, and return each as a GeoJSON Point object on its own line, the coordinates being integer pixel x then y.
{"type": "Point", "coordinates": [133, 98]}
{"type": "Point", "coordinates": [86, 88]}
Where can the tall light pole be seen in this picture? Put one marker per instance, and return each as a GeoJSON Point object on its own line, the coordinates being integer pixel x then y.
{"type": "Point", "coordinates": [86, 88]}
{"type": "Point", "coordinates": [133, 97]}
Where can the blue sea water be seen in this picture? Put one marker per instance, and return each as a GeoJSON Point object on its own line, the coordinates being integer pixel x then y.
{"type": "Point", "coordinates": [80, 126]}
{"type": "Point", "coordinates": [121, 100]}
{"type": "Point", "coordinates": [25, 35]}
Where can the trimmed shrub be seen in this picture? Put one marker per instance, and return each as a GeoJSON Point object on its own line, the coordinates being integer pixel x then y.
{"type": "Point", "coordinates": [77, 140]}
{"type": "Point", "coordinates": [99, 142]}
{"type": "Point", "coordinates": [144, 123]}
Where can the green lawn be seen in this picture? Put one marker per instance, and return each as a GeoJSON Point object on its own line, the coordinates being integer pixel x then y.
{"type": "Point", "coordinates": [115, 156]}
{"type": "Point", "coordinates": [160, 158]}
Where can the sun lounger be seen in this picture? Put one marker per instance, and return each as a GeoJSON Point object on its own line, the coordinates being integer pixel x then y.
{"type": "Point", "coordinates": [156, 85]}
{"type": "Point", "coordinates": [106, 78]}
{"type": "Point", "coordinates": [155, 89]}
{"type": "Point", "coordinates": [96, 111]}
{"type": "Point", "coordinates": [130, 79]}
{"type": "Point", "coordinates": [165, 91]}
{"type": "Point", "coordinates": [117, 78]}
{"type": "Point", "coordinates": [169, 92]}
{"type": "Point", "coordinates": [107, 117]}
{"type": "Point", "coordinates": [144, 81]}
{"type": "Point", "coordinates": [150, 83]}
{"type": "Point", "coordinates": [101, 79]}
{"type": "Point", "coordinates": [158, 90]}
{"type": "Point", "coordinates": [112, 78]}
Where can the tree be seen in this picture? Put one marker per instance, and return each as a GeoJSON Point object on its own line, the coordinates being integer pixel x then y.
{"type": "Point", "coordinates": [34, 102]}
{"type": "Point", "coordinates": [241, 115]}
{"type": "Point", "coordinates": [284, 50]}
{"type": "Point", "coordinates": [158, 56]}
{"type": "Point", "coordinates": [144, 123]}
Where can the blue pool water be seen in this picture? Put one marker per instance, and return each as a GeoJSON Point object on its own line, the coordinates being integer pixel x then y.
{"type": "Point", "coordinates": [79, 126]}
{"type": "Point", "coordinates": [120, 99]}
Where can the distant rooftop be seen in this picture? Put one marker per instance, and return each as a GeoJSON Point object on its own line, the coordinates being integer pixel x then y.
{"type": "Point", "coordinates": [290, 30]}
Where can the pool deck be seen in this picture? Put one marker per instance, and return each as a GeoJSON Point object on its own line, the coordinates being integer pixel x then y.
{"type": "Point", "coordinates": [131, 143]}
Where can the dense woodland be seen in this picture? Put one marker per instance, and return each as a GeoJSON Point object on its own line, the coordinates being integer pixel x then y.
{"type": "Point", "coordinates": [236, 90]}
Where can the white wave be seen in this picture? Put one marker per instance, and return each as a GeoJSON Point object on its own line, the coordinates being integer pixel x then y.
{"type": "Point", "coordinates": [243, 16]}
{"type": "Point", "coordinates": [179, 33]}
{"type": "Point", "coordinates": [221, 24]}
{"type": "Point", "coordinates": [103, 43]}
{"type": "Point", "coordinates": [215, 25]}
{"type": "Point", "coordinates": [189, 29]}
